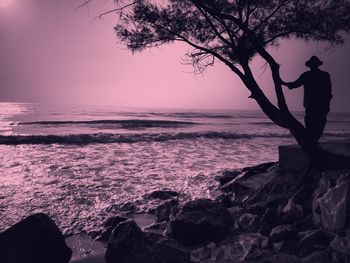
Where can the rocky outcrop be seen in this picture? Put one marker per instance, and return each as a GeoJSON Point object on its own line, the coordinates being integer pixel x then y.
{"type": "Point", "coordinates": [35, 239]}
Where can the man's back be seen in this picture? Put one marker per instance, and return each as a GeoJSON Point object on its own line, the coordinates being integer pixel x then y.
{"type": "Point", "coordinates": [317, 88]}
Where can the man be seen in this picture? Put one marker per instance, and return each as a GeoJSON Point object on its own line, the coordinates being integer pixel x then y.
{"type": "Point", "coordinates": [317, 97]}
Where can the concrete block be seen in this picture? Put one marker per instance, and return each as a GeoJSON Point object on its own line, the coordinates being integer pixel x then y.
{"type": "Point", "coordinates": [293, 159]}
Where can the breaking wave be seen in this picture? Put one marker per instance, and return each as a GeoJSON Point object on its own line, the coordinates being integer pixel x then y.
{"type": "Point", "coordinates": [133, 123]}
{"type": "Point", "coordinates": [125, 138]}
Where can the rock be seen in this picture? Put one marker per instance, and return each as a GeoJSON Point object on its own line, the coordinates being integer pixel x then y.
{"type": "Point", "coordinates": [113, 221]}
{"type": "Point", "coordinates": [35, 239]}
{"type": "Point", "coordinates": [318, 257]}
{"type": "Point", "coordinates": [235, 212]}
{"type": "Point", "coordinates": [225, 200]}
{"type": "Point", "coordinates": [306, 223]}
{"type": "Point", "coordinates": [260, 168]}
{"type": "Point", "coordinates": [199, 221]}
{"type": "Point", "coordinates": [205, 253]}
{"type": "Point", "coordinates": [250, 180]}
{"type": "Point", "coordinates": [167, 251]}
{"type": "Point", "coordinates": [292, 212]}
{"type": "Point", "coordinates": [109, 224]}
{"type": "Point", "coordinates": [252, 243]}
{"type": "Point", "coordinates": [161, 194]}
{"type": "Point", "coordinates": [330, 205]}
{"type": "Point", "coordinates": [164, 210]}
{"type": "Point", "coordinates": [314, 238]}
{"type": "Point", "coordinates": [128, 207]}
{"type": "Point", "coordinates": [268, 221]}
{"type": "Point", "coordinates": [247, 223]}
{"type": "Point", "coordinates": [302, 195]}
{"type": "Point", "coordinates": [227, 176]}
{"type": "Point", "coordinates": [278, 246]}
{"type": "Point", "coordinates": [129, 244]}
{"type": "Point", "coordinates": [341, 244]}
{"type": "Point", "coordinates": [157, 228]}
{"type": "Point", "coordinates": [281, 233]}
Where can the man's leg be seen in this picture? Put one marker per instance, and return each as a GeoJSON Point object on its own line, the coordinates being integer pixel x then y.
{"type": "Point", "coordinates": [315, 122]}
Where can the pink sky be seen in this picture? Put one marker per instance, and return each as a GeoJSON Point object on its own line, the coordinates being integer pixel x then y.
{"type": "Point", "coordinates": [52, 53]}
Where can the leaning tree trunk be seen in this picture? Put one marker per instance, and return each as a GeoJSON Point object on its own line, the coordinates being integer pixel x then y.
{"type": "Point", "coordinates": [283, 117]}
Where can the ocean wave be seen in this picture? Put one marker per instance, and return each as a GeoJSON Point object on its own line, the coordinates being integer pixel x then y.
{"type": "Point", "coordinates": [126, 124]}
{"type": "Point", "coordinates": [81, 139]}
{"type": "Point", "coordinates": [193, 115]}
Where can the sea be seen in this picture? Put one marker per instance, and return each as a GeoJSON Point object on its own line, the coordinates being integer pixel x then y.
{"type": "Point", "coordinates": [81, 164]}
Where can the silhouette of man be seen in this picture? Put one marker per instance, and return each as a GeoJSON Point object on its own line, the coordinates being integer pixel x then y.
{"type": "Point", "coordinates": [317, 97]}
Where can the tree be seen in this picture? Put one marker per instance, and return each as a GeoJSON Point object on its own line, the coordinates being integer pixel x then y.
{"type": "Point", "coordinates": [233, 32]}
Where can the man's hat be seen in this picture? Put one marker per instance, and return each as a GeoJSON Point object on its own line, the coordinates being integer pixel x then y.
{"type": "Point", "coordinates": [313, 62]}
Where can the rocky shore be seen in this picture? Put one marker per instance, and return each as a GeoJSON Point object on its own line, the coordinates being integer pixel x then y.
{"type": "Point", "coordinates": [259, 214]}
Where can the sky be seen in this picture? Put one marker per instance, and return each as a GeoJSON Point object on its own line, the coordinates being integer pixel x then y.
{"type": "Point", "coordinates": [52, 53]}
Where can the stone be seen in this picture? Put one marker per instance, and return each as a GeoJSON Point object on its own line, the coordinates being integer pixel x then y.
{"type": "Point", "coordinates": [306, 223]}
{"type": "Point", "coordinates": [260, 168]}
{"type": "Point", "coordinates": [157, 228]}
{"type": "Point", "coordinates": [35, 239]}
{"type": "Point", "coordinates": [318, 257]}
{"type": "Point", "coordinates": [129, 244]}
{"type": "Point", "coordinates": [292, 212]}
{"type": "Point", "coordinates": [161, 194]}
{"type": "Point", "coordinates": [113, 221]}
{"type": "Point", "coordinates": [199, 221]}
{"type": "Point", "coordinates": [341, 244]}
{"type": "Point", "coordinates": [235, 212]}
{"type": "Point", "coordinates": [278, 246]}
{"type": "Point", "coordinates": [128, 207]}
{"type": "Point", "coordinates": [250, 180]}
{"type": "Point", "coordinates": [331, 203]}
{"type": "Point", "coordinates": [281, 233]}
{"type": "Point", "coordinates": [165, 209]}
{"type": "Point", "coordinates": [225, 200]}
{"type": "Point", "coordinates": [109, 224]}
{"type": "Point", "coordinates": [252, 243]}
{"type": "Point", "coordinates": [247, 223]}
{"type": "Point", "coordinates": [167, 251]}
{"type": "Point", "coordinates": [268, 221]}
{"type": "Point", "coordinates": [314, 238]}
{"type": "Point", "coordinates": [227, 176]}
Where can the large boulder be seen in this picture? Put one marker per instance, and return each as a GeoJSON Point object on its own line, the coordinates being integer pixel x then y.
{"type": "Point", "coordinates": [35, 239]}
{"type": "Point", "coordinates": [199, 221]}
{"type": "Point", "coordinates": [129, 244]}
{"type": "Point", "coordinates": [330, 203]}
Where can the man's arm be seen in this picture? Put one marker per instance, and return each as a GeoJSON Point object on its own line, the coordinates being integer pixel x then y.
{"type": "Point", "coordinates": [295, 84]}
